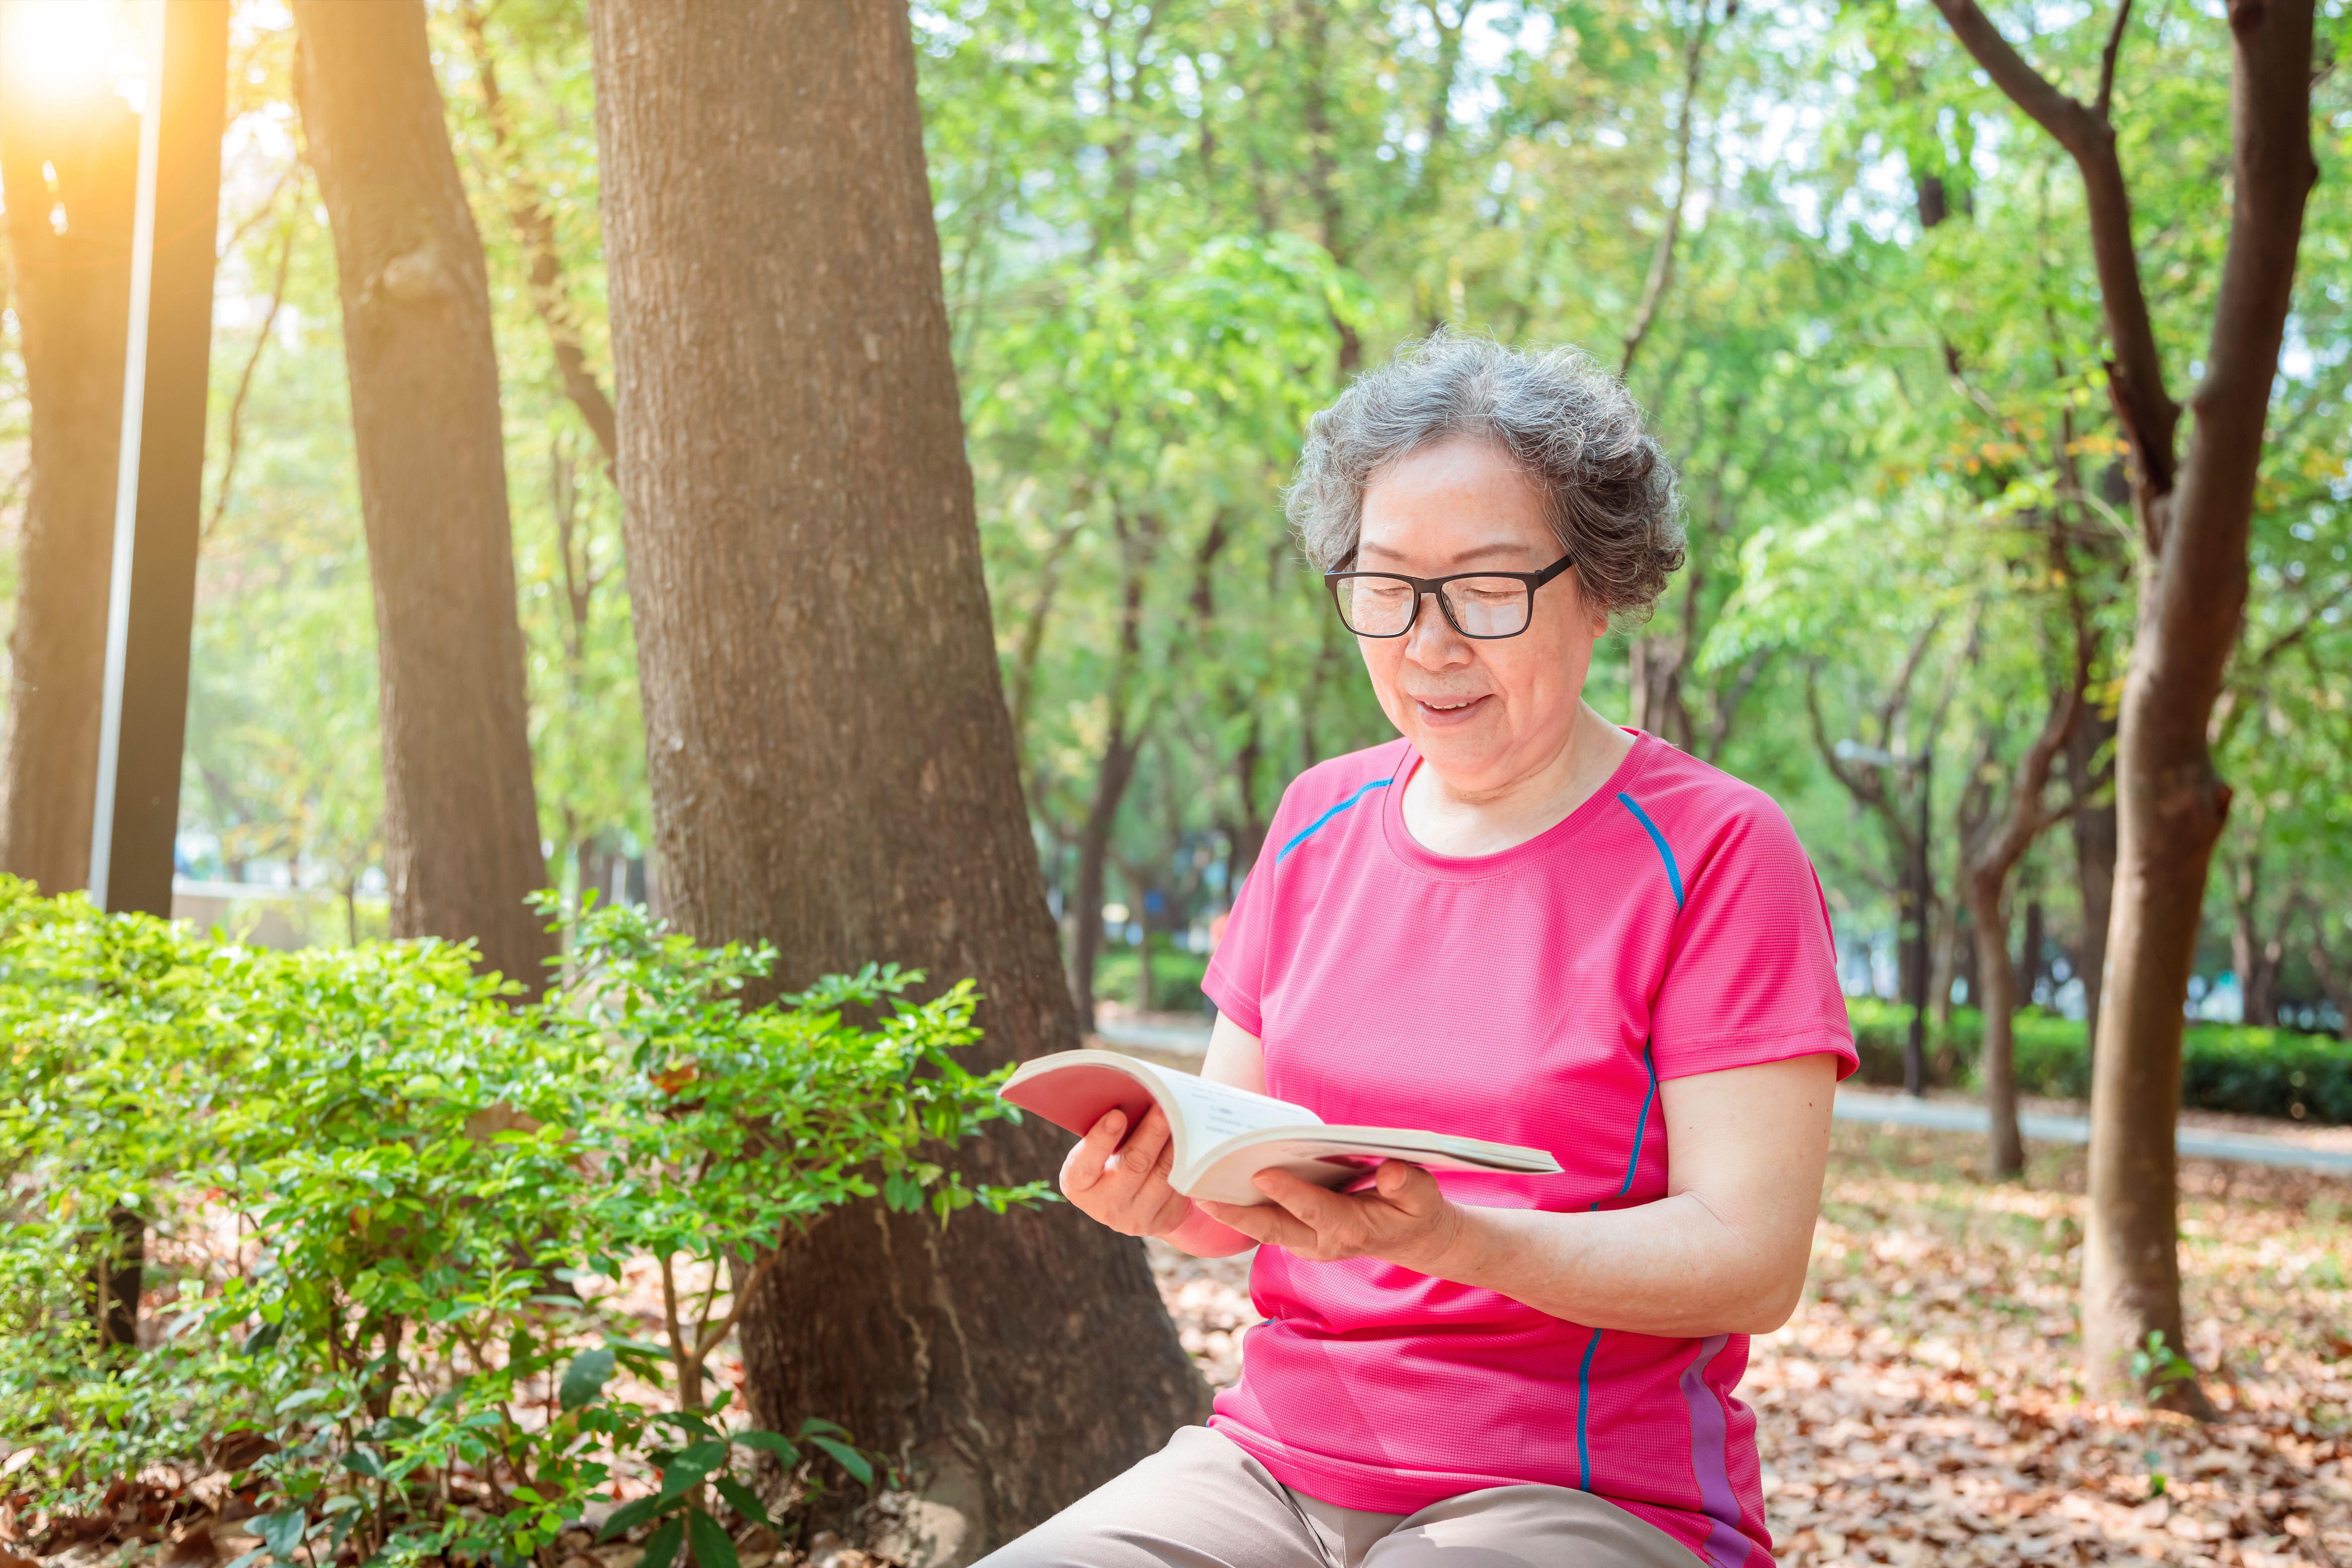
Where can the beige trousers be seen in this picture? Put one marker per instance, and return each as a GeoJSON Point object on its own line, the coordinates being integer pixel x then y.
{"type": "Point", "coordinates": [1200, 1503]}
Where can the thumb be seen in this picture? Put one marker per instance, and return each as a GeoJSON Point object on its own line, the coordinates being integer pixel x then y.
{"type": "Point", "coordinates": [1408, 1186]}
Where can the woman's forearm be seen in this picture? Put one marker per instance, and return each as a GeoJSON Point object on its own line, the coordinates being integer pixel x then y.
{"type": "Point", "coordinates": [1670, 1268]}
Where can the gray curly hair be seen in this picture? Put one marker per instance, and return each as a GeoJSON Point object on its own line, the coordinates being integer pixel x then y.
{"type": "Point", "coordinates": [1608, 490]}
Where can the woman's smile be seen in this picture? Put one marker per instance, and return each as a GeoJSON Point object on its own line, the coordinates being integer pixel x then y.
{"type": "Point", "coordinates": [1445, 713]}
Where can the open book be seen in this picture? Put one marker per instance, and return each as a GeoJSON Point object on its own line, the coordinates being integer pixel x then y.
{"type": "Point", "coordinates": [1226, 1135]}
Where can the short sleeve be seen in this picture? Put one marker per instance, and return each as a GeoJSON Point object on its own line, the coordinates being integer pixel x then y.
{"type": "Point", "coordinates": [1236, 980]}
{"type": "Point", "coordinates": [1752, 972]}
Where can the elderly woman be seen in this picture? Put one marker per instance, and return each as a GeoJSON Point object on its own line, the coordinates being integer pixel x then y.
{"type": "Point", "coordinates": [1517, 922]}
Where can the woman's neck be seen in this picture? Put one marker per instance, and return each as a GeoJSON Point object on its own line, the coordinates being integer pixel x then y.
{"type": "Point", "coordinates": [1447, 819]}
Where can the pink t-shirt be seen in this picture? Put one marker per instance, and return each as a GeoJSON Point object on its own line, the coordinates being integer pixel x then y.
{"type": "Point", "coordinates": [1670, 926]}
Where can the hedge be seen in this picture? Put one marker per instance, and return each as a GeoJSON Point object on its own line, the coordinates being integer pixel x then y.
{"type": "Point", "coordinates": [2224, 1067]}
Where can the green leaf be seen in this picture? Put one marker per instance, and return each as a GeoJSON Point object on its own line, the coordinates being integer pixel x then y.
{"type": "Point", "coordinates": [262, 1338]}
{"type": "Point", "coordinates": [281, 1532]}
{"type": "Point", "coordinates": [630, 1515]}
{"type": "Point", "coordinates": [360, 1462]}
{"type": "Point", "coordinates": [661, 1546]}
{"type": "Point", "coordinates": [741, 1499]}
{"type": "Point", "coordinates": [712, 1548]}
{"type": "Point", "coordinates": [774, 1442]}
{"type": "Point", "coordinates": [697, 1460]}
{"type": "Point", "coordinates": [851, 1459]}
{"type": "Point", "coordinates": [584, 1379]}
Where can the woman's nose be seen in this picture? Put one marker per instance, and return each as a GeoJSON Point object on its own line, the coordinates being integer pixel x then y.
{"type": "Point", "coordinates": [1433, 640]}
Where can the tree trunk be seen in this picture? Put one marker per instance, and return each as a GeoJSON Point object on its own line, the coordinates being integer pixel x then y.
{"type": "Point", "coordinates": [2256, 960]}
{"type": "Point", "coordinates": [72, 296]}
{"type": "Point", "coordinates": [2029, 956]}
{"type": "Point", "coordinates": [1995, 994]}
{"type": "Point", "coordinates": [1144, 999]}
{"type": "Point", "coordinates": [2334, 977]}
{"type": "Point", "coordinates": [1989, 855]}
{"type": "Point", "coordinates": [2193, 513]}
{"type": "Point", "coordinates": [460, 819]}
{"type": "Point", "coordinates": [2095, 859]}
{"type": "Point", "coordinates": [831, 759]}
{"type": "Point", "coordinates": [1112, 776]}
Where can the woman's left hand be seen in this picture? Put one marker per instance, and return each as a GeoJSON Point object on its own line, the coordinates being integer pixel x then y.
{"type": "Point", "coordinates": [1404, 1217]}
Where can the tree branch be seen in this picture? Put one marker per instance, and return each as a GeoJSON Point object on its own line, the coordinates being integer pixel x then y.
{"type": "Point", "coordinates": [2150, 418]}
{"type": "Point", "coordinates": [235, 441]}
{"type": "Point", "coordinates": [1662, 260]}
{"type": "Point", "coordinates": [535, 226]}
{"type": "Point", "coordinates": [2099, 106]}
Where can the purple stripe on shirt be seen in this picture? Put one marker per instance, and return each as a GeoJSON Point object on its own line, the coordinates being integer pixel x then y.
{"type": "Point", "coordinates": [1727, 1543]}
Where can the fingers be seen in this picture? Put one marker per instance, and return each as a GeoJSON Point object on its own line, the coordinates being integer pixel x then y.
{"type": "Point", "coordinates": [1148, 1150]}
{"type": "Point", "coordinates": [1409, 1187]}
{"type": "Point", "coordinates": [1082, 1168]}
{"type": "Point", "coordinates": [1266, 1224]}
{"type": "Point", "coordinates": [1125, 1184]}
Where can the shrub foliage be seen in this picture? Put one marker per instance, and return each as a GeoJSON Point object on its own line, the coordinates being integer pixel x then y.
{"type": "Point", "coordinates": [387, 1207]}
{"type": "Point", "coordinates": [2254, 1070]}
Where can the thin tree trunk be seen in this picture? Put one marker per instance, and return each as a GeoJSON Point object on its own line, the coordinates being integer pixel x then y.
{"type": "Point", "coordinates": [71, 291]}
{"type": "Point", "coordinates": [1138, 885]}
{"type": "Point", "coordinates": [1245, 834]}
{"type": "Point", "coordinates": [2245, 943]}
{"type": "Point", "coordinates": [1112, 776]}
{"type": "Point", "coordinates": [1995, 994]}
{"type": "Point", "coordinates": [2029, 954]}
{"type": "Point", "coordinates": [1989, 857]}
{"type": "Point", "coordinates": [831, 758]}
{"type": "Point", "coordinates": [2193, 512]}
{"type": "Point", "coordinates": [2334, 977]}
{"type": "Point", "coordinates": [460, 821]}
{"type": "Point", "coordinates": [2095, 857]}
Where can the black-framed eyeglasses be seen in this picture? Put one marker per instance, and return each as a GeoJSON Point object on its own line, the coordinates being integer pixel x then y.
{"type": "Point", "coordinates": [1476, 603]}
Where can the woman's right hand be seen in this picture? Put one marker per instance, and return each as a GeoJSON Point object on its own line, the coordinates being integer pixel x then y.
{"type": "Point", "coordinates": [1125, 1187]}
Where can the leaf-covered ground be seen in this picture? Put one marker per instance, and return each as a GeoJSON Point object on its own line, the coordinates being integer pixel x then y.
{"type": "Point", "coordinates": [1925, 1404]}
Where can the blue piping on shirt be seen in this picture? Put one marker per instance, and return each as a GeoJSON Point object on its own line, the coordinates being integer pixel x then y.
{"type": "Point", "coordinates": [1584, 1369]}
{"type": "Point", "coordinates": [1307, 832]}
{"type": "Point", "coordinates": [1673, 872]}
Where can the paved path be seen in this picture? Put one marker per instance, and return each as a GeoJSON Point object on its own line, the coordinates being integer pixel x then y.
{"type": "Point", "coordinates": [1956, 1116]}
{"type": "Point", "coordinates": [1862, 1105]}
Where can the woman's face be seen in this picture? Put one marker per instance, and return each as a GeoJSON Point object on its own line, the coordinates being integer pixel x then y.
{"type": "Point", "coordinates": [1485, 712]}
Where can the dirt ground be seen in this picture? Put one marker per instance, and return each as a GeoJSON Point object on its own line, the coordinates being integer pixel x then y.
{"type": "Point", "coordinates": [1925, 1404]}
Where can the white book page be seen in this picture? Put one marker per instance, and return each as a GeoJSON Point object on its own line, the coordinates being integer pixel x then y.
{"type": "Point", "coordinates": [1213, 1112]}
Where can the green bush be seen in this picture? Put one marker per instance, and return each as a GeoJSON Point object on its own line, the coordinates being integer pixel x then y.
{"type": "Point", "coordinates": [2224, 1067]}
{"type": "Point", "coordinates": [393, 1203]}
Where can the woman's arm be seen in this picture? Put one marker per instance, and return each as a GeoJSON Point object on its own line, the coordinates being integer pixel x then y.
{"type": "Point", "coordinates": [1125, 1183]}
{"type": "Point", "coordinates": [1723, 1252]}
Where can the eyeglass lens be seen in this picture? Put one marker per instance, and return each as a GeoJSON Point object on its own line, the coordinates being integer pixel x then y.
{"type": "Point", "coordinates": [1374, 606]}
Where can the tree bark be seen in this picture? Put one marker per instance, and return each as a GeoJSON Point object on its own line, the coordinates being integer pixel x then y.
{"type": "Point", "coordinates": [2193, 512]}
{"type": "Point", "coordinates": [2095, 857]}
{"type": "Point", "coordinates": [461, 821]}
{"type": "Point", "coordinates": [1138, 542]}
{"type": "Point", "coordinates": [1995, 994]}
{"type": "Point", "coordinates": [1112, 775]}
{"type": "Point", "coordinates": [71, 291]}
{"type": "Point", "coordinates": [831, 759]}
{"type": "Point", "coordinates": [1988, 858]}
{"type": "Point", "coordinates": [2029, 952]}
{"type": "Point", "coordinates": [2256, 958]}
